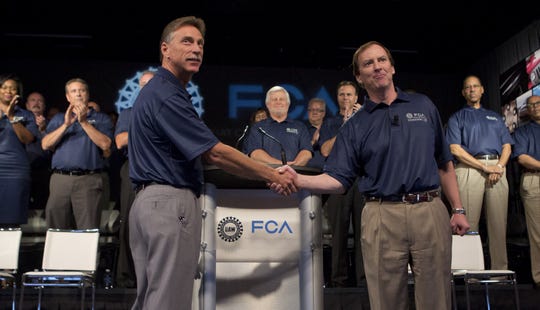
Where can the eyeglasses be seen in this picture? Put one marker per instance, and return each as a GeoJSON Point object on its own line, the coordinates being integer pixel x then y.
{"type": "Point", "coordinates": [316, 110]}
{"type": "Point", "coordinates": [533, 104]}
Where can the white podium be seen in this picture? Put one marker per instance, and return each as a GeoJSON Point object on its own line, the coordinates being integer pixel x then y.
{"type": "Point", "coordinates": [259, 250]}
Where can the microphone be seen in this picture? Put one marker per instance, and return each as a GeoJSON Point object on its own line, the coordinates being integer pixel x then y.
{"type": "Point", "coordinates": [283, 157]}
{"type": "Point", "coordinates": [242, 136]}
{"type": "Point", "coordinates": [395, 120]}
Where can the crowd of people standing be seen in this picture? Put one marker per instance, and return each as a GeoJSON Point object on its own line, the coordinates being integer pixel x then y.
{"type": "Point", "coordinates": [386, 162]}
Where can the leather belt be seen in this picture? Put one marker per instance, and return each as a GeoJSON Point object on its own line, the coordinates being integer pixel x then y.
{"type": "Point", "coordinates": [76, 172]}
{"type": "Point", "coordinates": [487, 157]}
{"type": "Point", "coordinates": [530, 170]}
{"type": "Point", "coordinates": [142, 186]}
{"type": "Point", "coordinates": [411, 198]}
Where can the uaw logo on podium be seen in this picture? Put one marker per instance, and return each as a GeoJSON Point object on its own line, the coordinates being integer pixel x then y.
{"type": "Point", "coordinates": [259, 250]}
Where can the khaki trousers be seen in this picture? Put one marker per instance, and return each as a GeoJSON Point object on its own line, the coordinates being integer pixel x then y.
{"type": "Point", "coordinates": [530, 195]}
{"type": "Point", "coordinates": [475, 193]}
{"type": "Point", "coordinates": [394, 233]}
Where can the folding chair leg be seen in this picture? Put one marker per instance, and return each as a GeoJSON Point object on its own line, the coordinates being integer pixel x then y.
{"type": "Point", "coordinates": [14, 296]}
{"type": "Point", "coordinates": [83, 294]}
{"type": "Point", "coordinates": [516, 294]}
{"type": "Point", "coordinates": [467, 296]}
{"type": "Point", "coordinates": [454, 298]}
{"type": "Point", "coordinates": [21, 298]}
{"type": "Point", "coordinates": [488, 304]}
{"type": "Point", "coordinates": [93, 295]}
{"type": "Point", "coordinates": [39, 298]}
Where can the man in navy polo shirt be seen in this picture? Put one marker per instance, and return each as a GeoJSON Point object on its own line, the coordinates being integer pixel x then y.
{"type": "Point", "coordinates": [125, 272]}
{"type": "Point", "coordinates": [527, 152]}
{"type": "Point", "coordinates": [167, 145]}
{"type": "Point", "coordinates": [344, 209]}
{"type": "Point", "coordinates": [278, 137]}
{"type": "Point", "coordinates": [80, 140]}
{"type": "Point", "coordinates": [395, 145]}
{"type": "Point", "coordinates": [482, 145]}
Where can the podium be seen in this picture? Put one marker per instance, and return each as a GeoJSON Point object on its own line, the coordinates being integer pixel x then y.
{"type": "Point", "coordinates": [259, 250]}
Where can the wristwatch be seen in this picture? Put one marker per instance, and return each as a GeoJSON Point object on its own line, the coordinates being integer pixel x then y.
{"type": "Point", "coordinates": [459, 211]}
{"type": "Point", "coordinates": [16, 119]}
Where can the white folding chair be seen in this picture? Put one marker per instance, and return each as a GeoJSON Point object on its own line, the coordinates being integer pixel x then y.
{"type": "Point", "coordinates": [10, 242]}
{"type": "Point", "coordinates": [468, 264]}
{"type": "Point", "coordinates": [69, 260]}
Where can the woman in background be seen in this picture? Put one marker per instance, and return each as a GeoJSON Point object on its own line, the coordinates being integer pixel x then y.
{"type": "Point", "coordinates": [17, 128]}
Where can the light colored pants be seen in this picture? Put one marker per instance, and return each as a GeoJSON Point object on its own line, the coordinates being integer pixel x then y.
{"type": "Point", "coordinates": [394, 233]}
{"type": "Point", "coordinates": [474, 192]}
{"type": "Point", "coordinates": [530, 195]}
{"type": "Point", "coordinates": [165, 238]}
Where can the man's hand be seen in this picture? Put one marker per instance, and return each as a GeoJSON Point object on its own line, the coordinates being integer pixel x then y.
{"type": "Point", "coordinates": [11, 108]}
{"type": "Point", "coordinates": [69, 117]}
{"type": "Point", "coordinates": [459, 224]}
{"type": "Point", "coordinates": [286, 179]}
{"type": "Point", "coordinates": [41, 122]}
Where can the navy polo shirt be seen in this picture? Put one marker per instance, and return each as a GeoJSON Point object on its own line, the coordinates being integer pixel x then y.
{"type": "Point", "coordinates": [393, 149]}
{"type": "Point", "coordinates": [478, 131]}
{"type": "Point", "coordinates": [75, 150]}
{"type": "Point", "coordinates": [317, 160]}
{"type": "Point", "coordinates": [292, 134]}
{"type": "Point", "coordinates": [166, 136]}
{"type": "Point", "coordinates": [122, 125]}
{"type": "Point", "coordinates": [527, 140]}
{"type": "Point", "coordinates": [330, 128]}
{"type": "Point", "coordinates": [14, 161]}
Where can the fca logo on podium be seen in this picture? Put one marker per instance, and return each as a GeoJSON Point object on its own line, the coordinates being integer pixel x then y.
{"type": "Point", "coordinates": [271, 226]}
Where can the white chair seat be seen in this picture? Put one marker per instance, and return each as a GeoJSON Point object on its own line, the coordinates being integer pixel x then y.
{"type": "Point", "coordinates": [10, 241]}
{"type": "Point", "coordinates": [69, 260]}
{"type": "Point", "coordinates": [468, 264]}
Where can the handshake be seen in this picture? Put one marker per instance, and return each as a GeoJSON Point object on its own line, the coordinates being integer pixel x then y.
{"type": "Point", "coordinates": [285, 181]}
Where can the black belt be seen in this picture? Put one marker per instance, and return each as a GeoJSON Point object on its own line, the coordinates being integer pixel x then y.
{"type": "Point", "coordinates": [530, 170]}
{"type": "Point", "coordinates": [76, 172]}
{"type": "Point", "coordinates": [142, 186]}
{"type": "Point", "coordinates": [487, 157]}
{"type": "Point", "coordinates": [408, 198]}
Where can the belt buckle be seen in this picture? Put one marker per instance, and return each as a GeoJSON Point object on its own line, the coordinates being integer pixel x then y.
{"type": "Point", "coordinates": [416, 198]}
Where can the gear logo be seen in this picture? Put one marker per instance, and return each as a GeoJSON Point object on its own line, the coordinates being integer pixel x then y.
{"type": "Point", "coordinates": [128, 93]}
{"type": "Point", "coordinates": [230, 229]}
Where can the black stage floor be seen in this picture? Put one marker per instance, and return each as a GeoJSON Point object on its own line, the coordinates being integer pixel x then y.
{"type": "Point", "coordinates": [334, 298]}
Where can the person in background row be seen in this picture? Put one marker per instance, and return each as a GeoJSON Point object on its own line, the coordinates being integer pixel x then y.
{"type": "Point", "coordinates": [395, 145]}
{"type": "Point", "coordinates": [344, 210]}
{"type": "Point", "coordinates": [125, 271]}
{"type": "Point", "coordinates": [40, 160]}
{"type": "Point", "coordinates": [347, 98]}
{"type": "Point", "coordinates": [168, 144]}
{"type": "Point", "coordinates": [278, 138]}
{"type": "Point", "coordinates": [52, 111]}
{"type": "Point", "coordinates": [255, 117]}
{"type": "Point", "coordinates": [316, 112]}
{"type": "Point", "coordinates": [94, 105]}
{"type": "Point", "coordinates": [17, 129]}
{"type": "Point", "coordinates": [80, 141]}
{"type": "Point", "coordinates": [106, 194]}
{"type": "Point", "coordinates": [527, 151]}
{"type": "Point", "coordinates": [482, 145]}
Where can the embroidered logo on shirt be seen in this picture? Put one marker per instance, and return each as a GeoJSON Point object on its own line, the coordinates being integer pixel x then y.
{"type": "Point", "coordinates": [416, 117]}
{"type": "Point", "coordinates": [292, 130]}
{"type": "Point", "coordinates": [491, 118]}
